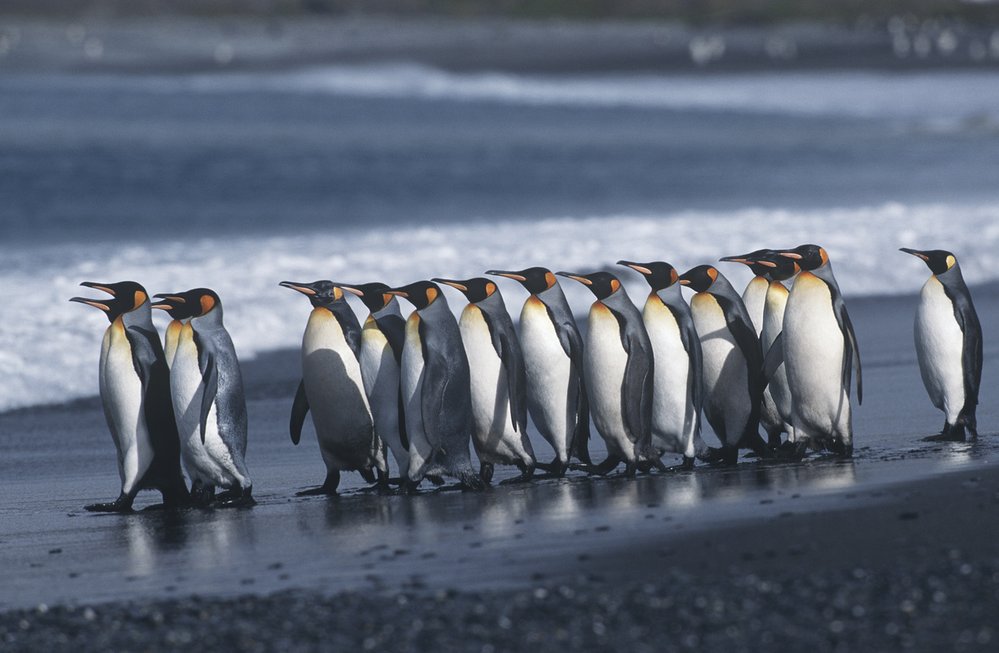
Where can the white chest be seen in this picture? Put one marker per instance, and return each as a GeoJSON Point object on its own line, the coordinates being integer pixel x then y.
{"type": "Point", "coordinates": [121, 385]}
{"type": "Point", "coordinates": [718, 345]}
{"type": "Point", "coordinates": [940, 347]}
{"type": "Point", "coordinates": [606, 361]}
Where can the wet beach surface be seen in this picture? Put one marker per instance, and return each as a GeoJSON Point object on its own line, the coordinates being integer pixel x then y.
{"type": "Point", "coordinates": [715, 557]}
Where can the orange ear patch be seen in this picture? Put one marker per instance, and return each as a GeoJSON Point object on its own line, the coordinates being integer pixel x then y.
{"type": "Point", "coordinates": [825, 257]}
{"type": "Point", "coordinates": [431, 295]}
{"type": "Point", "coordinates": [140, 299]}
{"type": "Point", "coordinates": [549, 279]}
{"type": "Point", "coordinates": [713, 273]}
{"type": "Point", "coordinates": [337, 293]}
{"type": "Point", "coordinates": [490, 288]}
{"type": "Point", "coordinates": [674, 277]}
{"type": "Point", "coordinates": [386, 298]}
{"type": "Point", "coordinates": [207, 303]}
{"type": "Point", "coordinates": [615, 284]}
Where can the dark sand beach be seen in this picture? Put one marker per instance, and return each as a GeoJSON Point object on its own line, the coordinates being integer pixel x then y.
{"type": "Point", "coordinates": [894, 549]}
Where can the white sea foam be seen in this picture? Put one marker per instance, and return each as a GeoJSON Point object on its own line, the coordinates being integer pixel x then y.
{"type": "Point", "coordinates": [50, 346]}
{"type": "Point", "coordinates": [935, 95]}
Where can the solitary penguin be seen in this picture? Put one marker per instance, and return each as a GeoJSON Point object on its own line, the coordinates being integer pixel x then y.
{"type": "Point", "coordinates": [620, 375]}
{"type": "Point", "coordinates": [332, 388]}
{"type": "Point", "coordinates": [553, 363]}
{"type": "Point", "coordinates": [208, 400]}
{"type": "Point", "coordinates": [949, 344]}
{"type": "Point", "coordinates": [781, 269]}
{"type": "Point", "coordinates": [135, 390]}
{"type": "Point", "coordinates": [498, 380]}
{"type": "Point", "coordinates": [181, 312]}
{"type": "Point", "coordinates": [819, 350]}
{"type": "Point", "coordinates": [436, 389]}
{"type": "Point", "coordinates": [676, 406]}
{"type": "Point", "coordinates": [754, 297]}
{"type": "Point", "coordinates": [732, 362]}
{"type": "Point", "coordinates": [382, 340]}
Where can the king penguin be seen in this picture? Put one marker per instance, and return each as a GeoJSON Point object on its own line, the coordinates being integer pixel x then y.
{"type": "Point", "coordinates": [382, 340]}
{"type": "Point", "coordinates": [135, 390]}
{"type": "Point", "coordinates": [181, 312]}
{"type": "Point", "coordinates": [436, 389]}
{"type": "Point", "coordinates": [498, 380]}
{"type": "Point", "coordinates": [553, 363]}
{"type": "Point", "coordinates": [754, 297]}
{"type": "Point", "coordinates": [819, 350]}
{"type": "Point", "coordinates": [732, 362]}
{"type": "Point", "coordinates": [332, 388]}
{"type": "Point", "coordinates": [781, 269]}
{"type": "Point", "coordinates": [208, 400]}
{"type": "Point", "coordinates": [620, 374]}
{"type": "Point", "coordinates": [948, 344]}
{"type": "Point", "coordinates": [676, 406]}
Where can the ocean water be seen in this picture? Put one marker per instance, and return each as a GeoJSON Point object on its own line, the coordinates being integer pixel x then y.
{"type": "Point", "coordinates": [239, 181]}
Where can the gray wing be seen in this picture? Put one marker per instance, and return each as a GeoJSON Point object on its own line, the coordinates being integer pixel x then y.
{"type": "Point", "coordinates": [299, 409]}
{"type": "Point", "coordinates": [692, 345]}
{"type": "Point", "coordinates": [851, 352]}
{"type": "Point", "coordinates": [393, 327]}
{"type": "Point", "coordinates": [774, 359]}
{"type": "Point", "coordinates": [572, 344]}
{"type": "Point", "coordinates": [971, 328]}
{"type": "Point", "coordinates": [637, 389]}
{"type": "Point", "coordinates": [209, 381]}
{"type": "Point", "coordinates": [507, 347]}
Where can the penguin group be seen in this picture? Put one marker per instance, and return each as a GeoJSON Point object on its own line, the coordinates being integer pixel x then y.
{"type": "Point", "coordinates": [424, 390]}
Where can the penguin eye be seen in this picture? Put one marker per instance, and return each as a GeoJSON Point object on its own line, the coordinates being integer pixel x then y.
{"type": "Point", "coordinates": [140, 299]}
{"type": "Point", "coordinates": [951, 261]}
{"type": "Point", "coordinates": [549, 279]}
{"type": "Point", "coordinates": [207, 303]}
{"type": "Point", "coordinates": [431, 295]}
{"type": "Point", "coordinates": [614, 284]}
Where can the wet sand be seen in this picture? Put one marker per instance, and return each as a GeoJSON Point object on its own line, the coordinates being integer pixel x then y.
{"type": "Point", "coordinates": [906, 513]}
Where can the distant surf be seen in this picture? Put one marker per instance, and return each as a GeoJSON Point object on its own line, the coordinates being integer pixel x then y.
{"type": "Point", "coordinates": [51, 346]}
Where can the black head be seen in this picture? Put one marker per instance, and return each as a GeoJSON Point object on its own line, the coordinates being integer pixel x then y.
{"type": "Point", "coordinates": [200, 301]}
{"type": "Point", "coordinates": [535, 279]}
{"type": "Point", "coordinates": [375, 295]}
{"type": "Point", "coordinates": [420, 293]}
{"type": "Point", "coordinates": [700, 279]}
{"type": "Point", "coordinates": [601, 284]}
{"type": "Point", "coordinates": [809, 257]}
{"type": "Point", "coordinates": [937, 260]}
{"type": "Point", "coordinates": [320, 293]}
{"type": "Point", "coordinates": [126, 296]}
{"type": "Point", "coordinates": [475, 290]}
{"type": "Point", "coordinates": [660, 275]}
{"type": "Point", "coordinates": [176, 306]}
{"type": "Point", "coordinates": [752, 260]}
{"type": "Point", "coordinates": [779, 268]}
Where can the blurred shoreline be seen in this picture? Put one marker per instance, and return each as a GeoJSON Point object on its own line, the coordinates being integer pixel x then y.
{"type": "Point", "coordinates": [178, 44]}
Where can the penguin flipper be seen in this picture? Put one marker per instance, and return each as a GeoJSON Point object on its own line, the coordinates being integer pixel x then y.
{"type": "Point", "coordinates": [150, 366]}
{"type": "Point", "coordinates": [741, 327]}
{"type": "Point", "coordinates": [299, 409]}
{"type": "Point", "coordinates": [393, 327]}
{"type": "Point", "coordinates": [432, 401]}
{"type": "Point", "coordinates": [637, 390]}
{"type": "Point", "coordinates": [971, 352]}
{"type": "Point", "coordinates": [572, 345]}
{"type": "Point", "coordinates": [516, 380]}
{"type": "Point", "coordinates": [210, 387]}
{"type": "Point", "coordinates": [692, 345]}
{"type": "Point", "coordinates": [774, 359]}
{"type": "Point", "coordinates": [851, 353]}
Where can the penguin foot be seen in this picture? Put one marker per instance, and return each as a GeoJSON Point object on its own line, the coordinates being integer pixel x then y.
{"type": "Point", "coordinates": [322, 490]}
{"type": "Point", "coordinates": [602, 469]}
{"type": "Point", "coordinates": [203, 495]}
{"type": "Point", "coordinates": [840, 449]}
{"type": "Point", "coordinates": [471, 481]}
{"type": "Point", "coordinates": [555, 468]}
{"type": "Point", "coordinates": [435, 479]}
{"type": "Point", "coordinates": [792, 451]}
{"type": "Point", "coordinates": [238, 498]}
{"type": "Point", "coordinates": [686, 466]}
{"type": "Point", "coordinates": [486, 472]}
{"type": "Point", "coordinates": [946, 437]}
{"type": "Point", "coordinates": [526, 476]}
{"type": "Point", "coordinates": [123, 504]}
{"type": "Point", "coordinates": [409, 487]}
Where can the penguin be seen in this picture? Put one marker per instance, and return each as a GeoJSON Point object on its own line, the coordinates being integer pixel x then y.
{"type": "Point", "coordinates": [553, 364]}
{"type": "Point", "coordinates": [732, 362]}
{"type": "Point", "coordinates": [755, 299]}
{"type": "Point", "coordinates": [781, 269]}
{"type": "Point", "coordinates": [209, 404]}
{"type": "Point", "coordinates": [436, 389]}
{"type": "Point", "coordinates": [180, 311]}
{"type": "Point", "coordinates": [135, 391]}
{"type": "Point", "coordinates": [620, 375]}
{"type": "Point", "coordinates": [333, 389]}
{"type": "Point", "coordinates": [677, 396]}
{"type": "Point", "coordinates": [948, 339]}
{"type": "Point", "coordinates": [382, 338]}
{"type": "Point", "coordinates": [498, 380]}
{"type": "Point", "coordinates": [820, 354]}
